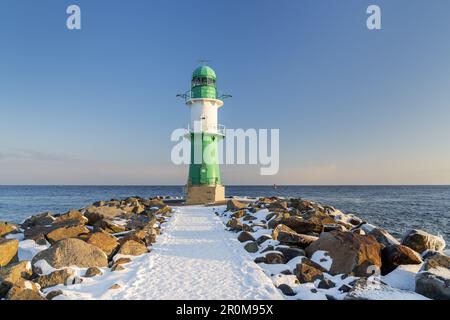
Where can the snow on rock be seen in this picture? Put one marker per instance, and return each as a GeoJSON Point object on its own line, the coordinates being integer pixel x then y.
{"type": "Point", "coordinates": [403, 277]}
{"type": "Point", "coordinates": [373, 289]}
{"type": "Point", "coordinates": [29, 248]}
{"type": "Point", "coordinates": [323, 259]}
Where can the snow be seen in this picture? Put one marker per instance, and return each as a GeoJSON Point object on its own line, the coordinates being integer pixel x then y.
{"type": "Point", "coordinates": [403, 277]}
{"type": "Point", "coordinates": [45, 267]}
{"type": "Point", "coordinates": [17, 236]}
{"type": "Point", "coordinates": [378, 291]}
{"type": "Point", "coordinates": [194, 258]}
{"type": "Point", "coordinates": [323, 259]}
{"type": "Point", "coordinates": [29, 248]}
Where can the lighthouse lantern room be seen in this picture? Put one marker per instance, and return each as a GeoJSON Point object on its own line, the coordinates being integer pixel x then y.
{"type": "Point", "coordinates": [204, 183]}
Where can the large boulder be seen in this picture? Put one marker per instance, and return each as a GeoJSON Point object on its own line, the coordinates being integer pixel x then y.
{"type": "Point", "coordinates": [74, 216]}
{"type": "Point", "coordinates": [288, 236]}
{"type": "Point", "coordinates": [420, 241]}
{"type": "Point", "coordinates": [433, 280]}
{"type": "Point", "coordinates": [349, 252]}
{"type": "Point", "coordinates": [95, 214]}
{"type": "Point", "coordinates": [69, 231]}
{"type": "Point", "coordinates": [395, 255]}
{"type": "Point", "coordinates": [42, 219]}
{"type": "Point", "coordinates": [235, 205]}
{"type": "Point", "coordinates": [72, 252]}
{"type": "Point", "coordinates": [383, 237]}
{"type": "Point", "coordinates": [8, 251]}
{"type": "Point", "coordinates": [132, 248]}
{"type": "Point", "coordinates": [13, 274]}
{"type": "Point", "coordinates": [6, 228]}
{"type": "Point", "coordinates": [105, 241]}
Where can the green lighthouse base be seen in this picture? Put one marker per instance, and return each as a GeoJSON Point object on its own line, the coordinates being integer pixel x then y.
{"type": "Point", "coordinates": [204, 194]}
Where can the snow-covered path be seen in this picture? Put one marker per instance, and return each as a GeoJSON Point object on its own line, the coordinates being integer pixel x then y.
{"type": "Point", "coordinates": [195, 258]}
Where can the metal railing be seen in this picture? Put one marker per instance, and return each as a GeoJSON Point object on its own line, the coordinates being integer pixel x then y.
{"type": "Point", "coordinates": [188, 95]}
{"type": "Point", "coordinates": [204, 127]}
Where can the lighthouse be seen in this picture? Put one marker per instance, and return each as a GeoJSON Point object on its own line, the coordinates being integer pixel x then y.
{"type": "Point", "coordinates": [204, 184]}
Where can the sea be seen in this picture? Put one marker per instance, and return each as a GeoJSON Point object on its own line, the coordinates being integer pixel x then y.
{"type": "Point", "coordinates": [394, 208]}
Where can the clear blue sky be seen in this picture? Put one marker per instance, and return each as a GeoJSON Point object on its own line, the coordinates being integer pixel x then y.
{"type": "Point", "coordinates": [97, 106]}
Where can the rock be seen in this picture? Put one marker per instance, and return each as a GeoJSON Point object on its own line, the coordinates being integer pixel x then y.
{"type": "Point", "coordinates": [72, 252]}
{"type": "Point", "coordinates": [349, 252]}
{"type": "Point", "coordinates": [286, 290]}
{"type": "Point", "coordinates": [6, 228]}
{"type": "Point", "coordinates": [96, 214]}
{"type": "Point", "coordinates": [326, 284]}
{"type": "Point", "coordinates": [62, 276]}
{"type": "Point", "coordinates": [132, 248]}
{"type": "Point", "coordinates": [235, 224]}
{"type": "Point", "coordinates": [436, 260]}
{"type": "Point", "coordinates": [286, 235]}
{"type": "Point", "coordinates": [234, 205]}
{"type": "Point", "coordinates": [42, 219]}
{"type": "Point", "coordinates": [263, 239]}
{"type": "Point", "coordinates": [260, 260]}
{"type": "Point", "coordinates": [278, 204]}
{"type": "Point", "coordinates": [122, 260]}
{"type": "Point", "coordinates": [345, 288]}
{"type": "Point", "coordinates": [275, 258]}
{"type": "Point", "coordinates": [8, 251]}
{"type": "Point", "coordinates": [395, 255]}
{"type": "Point", "coordinates": [115, 286]}
{"type": "Point", "coordinates": [13, 274]}
{"type": "Point", "coordinates": [373, 289]}
{"type": "Point", "coordinates": [433, 280]}
{"type": "Point", "coordinates": [420, 241]}
{"type": "Point", "coordinates": [73, 216]}
{"type": "Point", "coordinates": [92, 272]}
{"type": "Point", "coordinates": [111, 227]}
{"type": "Point", "coordinates": [303, 226]}
{"type": "Point", "coordinates": [24, 294]}
{"type": "Point", "coordinates": [246, 227]}
{"type": "Point", "coordinates": [290, 253]}
{"type": "Point", "coordinates": [117, 267]}
{"type": "Point", "coordinates": [53, 294]}
{"type": "Point", "coordinates": [308, 271]}
{"type": "Point", "coordinates": [334, 226]}
{"type": "Point", "coordinates": [155, 202]}
{"type": "Point", "coordinates": [245, 236]}
{"type": "Point", "coordinates": [249, 217]}
{"type": "Point", "coordinates": [141, 222]}
{"type": "Point", "coordinates": [383, 237]}
{"type": "Point", "coordinates": [238, 214]}
{"type": "Point", "coordinates": [106, 242]}
{"type": "Point", "coordinates": [251, 247]}
{"type": "Point", "coordinates": [70, 231]}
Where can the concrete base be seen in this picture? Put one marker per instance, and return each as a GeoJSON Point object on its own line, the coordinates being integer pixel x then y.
{"type": "Point", "coordinates": [204, 194]}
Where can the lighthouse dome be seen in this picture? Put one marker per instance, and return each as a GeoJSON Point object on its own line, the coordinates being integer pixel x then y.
{"type": "Point", "coordinates": [204, 71]}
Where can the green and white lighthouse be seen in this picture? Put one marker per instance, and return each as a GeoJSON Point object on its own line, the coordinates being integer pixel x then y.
{"type": "Point", "coordinates": [204, 183]}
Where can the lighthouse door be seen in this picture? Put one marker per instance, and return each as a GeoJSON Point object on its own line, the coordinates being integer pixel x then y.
{"type": "Point", "coordinates": [203, 175]}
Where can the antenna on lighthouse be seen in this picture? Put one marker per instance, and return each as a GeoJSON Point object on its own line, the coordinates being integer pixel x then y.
{"type": "Point", "coordinates": [203, 61]}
